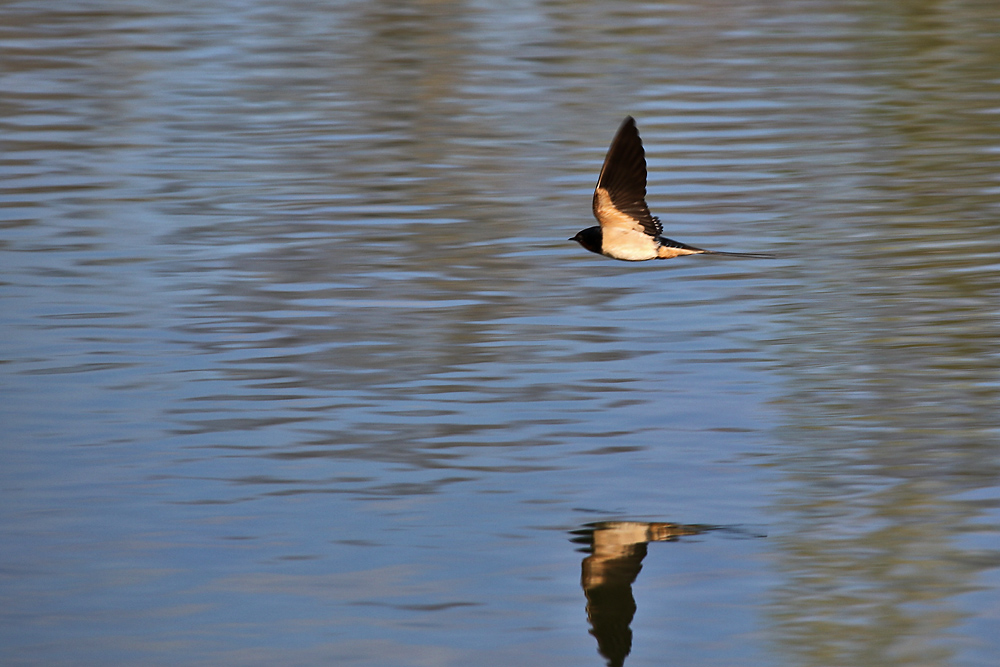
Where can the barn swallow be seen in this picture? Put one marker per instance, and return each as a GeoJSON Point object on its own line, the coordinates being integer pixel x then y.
{"type": "Point", "coordinates": [628, 231]}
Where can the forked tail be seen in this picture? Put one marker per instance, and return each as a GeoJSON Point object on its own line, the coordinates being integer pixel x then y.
{"type": "Point", "coordinates": [753, 255]}
{"type": "Point", "coordinates": [692, 250]}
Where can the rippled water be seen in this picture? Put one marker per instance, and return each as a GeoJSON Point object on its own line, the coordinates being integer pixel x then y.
{"type": "Point", "coordinates": [299, 368]}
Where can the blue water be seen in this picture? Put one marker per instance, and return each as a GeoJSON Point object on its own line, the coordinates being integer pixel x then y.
{"type": "Point", "coordinates": [298, 367]}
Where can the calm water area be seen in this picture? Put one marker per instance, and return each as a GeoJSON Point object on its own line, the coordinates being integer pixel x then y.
{"type": "Point", "coordinates": [297, 365]}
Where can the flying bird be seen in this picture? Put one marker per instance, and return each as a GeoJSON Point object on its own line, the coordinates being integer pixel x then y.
{"type": "Point", "coordinates": [628, 231]}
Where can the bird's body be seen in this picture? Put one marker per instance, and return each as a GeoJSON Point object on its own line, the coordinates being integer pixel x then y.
{"type": "Point", "coordinates": [627, 230]}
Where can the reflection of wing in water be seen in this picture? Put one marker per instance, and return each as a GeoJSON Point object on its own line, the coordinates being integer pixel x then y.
{"type": "Point", "coordinates": [616, 551]}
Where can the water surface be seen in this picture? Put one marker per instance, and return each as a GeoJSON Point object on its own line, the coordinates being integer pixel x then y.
{"type": "Point", "coordinates": [298, 367]}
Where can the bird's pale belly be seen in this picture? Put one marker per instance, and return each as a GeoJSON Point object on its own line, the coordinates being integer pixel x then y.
{"type": "Point", "coordinates": [629, 245]}
{"type": "Point", "coordinates": [628, 255]}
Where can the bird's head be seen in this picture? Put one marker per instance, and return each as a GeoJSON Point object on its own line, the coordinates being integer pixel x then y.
{"type": "Point", "coordinates": [589, 238]}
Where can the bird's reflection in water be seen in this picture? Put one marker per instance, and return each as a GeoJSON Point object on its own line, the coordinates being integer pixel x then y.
{"type": "Point", "coordinates": [616, 551]}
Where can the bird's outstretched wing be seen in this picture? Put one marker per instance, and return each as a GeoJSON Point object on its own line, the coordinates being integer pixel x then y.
{"type": "Point", "coordinates": [620, 195]}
